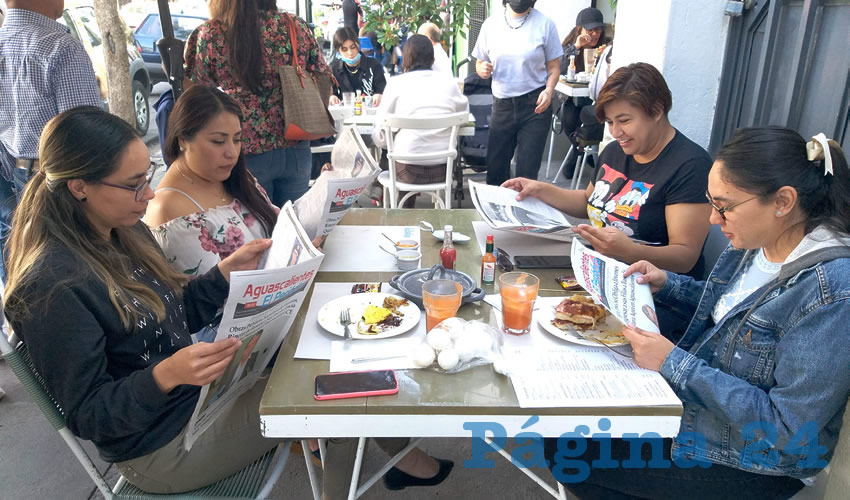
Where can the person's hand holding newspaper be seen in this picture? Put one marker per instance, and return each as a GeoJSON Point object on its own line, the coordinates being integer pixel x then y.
{"type": "Point", "coordinates": [246, 258]}
{"type": "Point", "coordinates": [525, 187]}
{"type": "Point", "coordinates": [608, 241]}
{"type": "Point", "coordinates": [197, 364]}
{"type": "Point", "coordinates": [650, 348]}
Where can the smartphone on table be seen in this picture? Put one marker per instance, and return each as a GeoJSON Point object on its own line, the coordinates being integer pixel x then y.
{"type": "Point", "coordinates": [356, 384]}
{"type": "Point", "coordinates": [543, 262]}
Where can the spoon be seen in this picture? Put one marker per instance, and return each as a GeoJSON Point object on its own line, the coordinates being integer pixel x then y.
{"type": "Point", "coordinates": [456, 236]}
{"type": "Point", "coordinates": [387, 251]}
{"type": "Point", "coordinates": [388, 238]}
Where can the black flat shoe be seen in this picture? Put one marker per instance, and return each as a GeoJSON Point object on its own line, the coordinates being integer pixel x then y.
{"type": "Point", "coordinates": [395, 479]}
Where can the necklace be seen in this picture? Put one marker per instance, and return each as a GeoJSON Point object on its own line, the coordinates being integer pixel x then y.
{"type": "Point", "coordinates": [352, 71]}
{"type": "Point", "coordinates": [511, 26]}
{"type": "Point", "coordinates": [191, 181]}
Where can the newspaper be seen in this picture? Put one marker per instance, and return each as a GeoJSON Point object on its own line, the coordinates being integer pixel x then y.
{"type": "Point", "coordinates": [629, 301]}
{"type": "Point", "coordinates": [260, 309]}
{"type": "Point", "coordinates": [500, 209]}
{"type": "Point", "coordinates": [354, 169]}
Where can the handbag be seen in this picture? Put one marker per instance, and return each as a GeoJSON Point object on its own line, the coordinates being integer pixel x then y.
{"type": "Point", "coordinates": [305, 98]}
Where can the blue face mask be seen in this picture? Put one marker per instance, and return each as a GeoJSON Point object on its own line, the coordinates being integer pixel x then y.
{"type": "Point", "coordinates": [350, 62]}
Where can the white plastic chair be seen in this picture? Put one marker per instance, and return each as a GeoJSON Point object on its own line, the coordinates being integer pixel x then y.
{"type": "Point", "coordinates": [388, 179]}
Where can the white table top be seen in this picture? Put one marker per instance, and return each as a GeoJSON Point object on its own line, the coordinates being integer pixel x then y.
{"type": "Point", "coordinates": [365, 123]}
{"type": "Point", "coordinates": [572, 90]}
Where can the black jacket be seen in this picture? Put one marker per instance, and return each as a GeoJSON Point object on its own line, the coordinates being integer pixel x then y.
{"type": "Point", "coordinates": [369, 77]}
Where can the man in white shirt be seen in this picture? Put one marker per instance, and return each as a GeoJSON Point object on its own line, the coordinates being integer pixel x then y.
{"type": "Point", "coordinates": [441, 59]}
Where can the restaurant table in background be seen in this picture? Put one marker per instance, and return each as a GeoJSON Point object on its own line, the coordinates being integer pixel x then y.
{"type": "Point", "coordinates": [569, 89]}
{"type": "Point", "coordinates": [431, 404]}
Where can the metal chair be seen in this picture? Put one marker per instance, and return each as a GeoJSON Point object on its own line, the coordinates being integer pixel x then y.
{"type": "Point", "coordinates": [388, 179]}
{"type": "Point", "coordinates": [247, 483]}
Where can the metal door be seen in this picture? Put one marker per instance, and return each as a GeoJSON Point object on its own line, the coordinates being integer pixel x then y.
{"type": "Point", "coordinates": [787, 63]}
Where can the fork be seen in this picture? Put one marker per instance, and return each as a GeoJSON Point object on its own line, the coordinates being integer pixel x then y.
{"type": "Point", "coordinates": [345, 320]}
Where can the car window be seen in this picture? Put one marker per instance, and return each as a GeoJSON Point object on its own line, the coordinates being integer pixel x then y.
{"type": "Point", "coordinates": [184, 26]}
{"type": "Point", "coordinates": [151, 27]}
{"type": "Point", "coordinates": [66, 21]}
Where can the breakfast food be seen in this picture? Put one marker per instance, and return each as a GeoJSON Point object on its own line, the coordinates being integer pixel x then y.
{"type": "Point", "coordinates": [578, 311]}
{"type": "Point", "coordinates": [393, 303]}
{"type": "Point", "coordinates": [375, 319]}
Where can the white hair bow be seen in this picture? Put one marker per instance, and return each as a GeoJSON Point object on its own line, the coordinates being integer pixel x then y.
{"type": "Point", "coordinates": [818, 149]}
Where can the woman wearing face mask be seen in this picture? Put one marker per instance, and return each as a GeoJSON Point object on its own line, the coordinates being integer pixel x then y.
{"type": "Point", "coordinates": [520, 49]}
{"type": "Point", "coordinates": [354, 72]}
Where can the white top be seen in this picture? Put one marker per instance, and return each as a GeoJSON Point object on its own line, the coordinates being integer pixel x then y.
{"type": "Point", "coordinates": [600, 74]}
{"type": "Point", "coordinates": [196, 242]}
{"type": "Point", "coordinates": [441, 60]}
{"type": "Point", "coordinates": [519, 55]}
{"type": "Point", "coordinates": [758, 272]}
{"type": "Point", "coordinates": [419, 93]}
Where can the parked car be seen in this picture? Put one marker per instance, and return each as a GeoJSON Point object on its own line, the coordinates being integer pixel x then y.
{"type": "Point", "coordinates": [81, 23]}
{"type": "Point", "coordinates": [150, 31]}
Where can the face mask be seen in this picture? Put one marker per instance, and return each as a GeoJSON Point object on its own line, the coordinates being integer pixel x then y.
{"type": "Point", "coordinates": [350, 62]}
{"type": "Point", "coordinates": [520, 6]}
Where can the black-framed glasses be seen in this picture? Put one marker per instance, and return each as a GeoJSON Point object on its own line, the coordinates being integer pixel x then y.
{"type": "Point", "coordinates": [141, 188]}
{"type": "Point", "coordinates": [722, 210]}
{"type": "Point", "coordinates": [503, 260]}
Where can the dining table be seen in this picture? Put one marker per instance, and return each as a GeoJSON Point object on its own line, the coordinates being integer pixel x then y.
{"type": "Point", "coordinates": [428, 403]}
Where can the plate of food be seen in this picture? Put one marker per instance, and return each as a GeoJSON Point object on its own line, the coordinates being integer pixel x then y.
{"type": "Point", "coordinates": [373, 315]}
{"type": "Point", "coordinates": [580, 320]}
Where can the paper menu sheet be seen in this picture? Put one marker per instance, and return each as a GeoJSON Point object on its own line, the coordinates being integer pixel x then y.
{"type": "Point", "coordinates": [581, 376]}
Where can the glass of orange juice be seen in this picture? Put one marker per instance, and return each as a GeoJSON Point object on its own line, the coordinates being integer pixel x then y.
{"type": "Point", "coordinates": [518, 291]}
{"type": "Point", "coordinates": [441, 299]}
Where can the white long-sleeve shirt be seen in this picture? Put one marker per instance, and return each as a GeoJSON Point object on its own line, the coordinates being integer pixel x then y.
{"type": "Point", "coordinates": [419, 93]}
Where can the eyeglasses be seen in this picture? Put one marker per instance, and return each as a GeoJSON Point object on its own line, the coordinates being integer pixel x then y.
{"type": "Point", "coordinates": [503, 260]}
{"type": "Point", "coordinates": [722, 210]}
{"type": "Point", "coordinates": [141, 188]}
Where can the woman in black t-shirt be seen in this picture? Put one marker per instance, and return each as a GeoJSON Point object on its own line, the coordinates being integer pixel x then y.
{"type": "Point", "coordinates": [353, 71]}
{"type": "Point", "coordinates": [651, 182]}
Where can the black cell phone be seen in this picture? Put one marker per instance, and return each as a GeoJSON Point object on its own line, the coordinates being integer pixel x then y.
{"type": "Point", "coordinates": [356, 384]}
{"type": "Point", "coordinates": [543, 262]}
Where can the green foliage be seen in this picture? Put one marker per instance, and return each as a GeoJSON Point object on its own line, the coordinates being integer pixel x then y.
{"type": "Point", "coordinates": [385, 17]}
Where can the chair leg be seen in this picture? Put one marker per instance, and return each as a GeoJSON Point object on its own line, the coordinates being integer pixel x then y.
{"type": "Point", "coordinates": [355, 474]}
{"type": "Point", "coordinates": [577, 176]}
{"type": "Point", "coordinates": [563, 164]}
{"type": "Point", "coordinates": [551, 147]}
{"type": "Point", "coordinates": [280, 458]}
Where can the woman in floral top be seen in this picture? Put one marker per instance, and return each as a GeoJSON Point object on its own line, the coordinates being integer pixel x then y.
{"type": "Point", "coordinates": [240, 50]}
{"type": "Point", "coordinates": [208, 204]}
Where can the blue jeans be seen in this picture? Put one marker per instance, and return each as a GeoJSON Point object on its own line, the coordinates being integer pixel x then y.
{"type": "Point", "coordinates": [671, 483]}
{"type": "Point", "coordinates": [283, 173]}
{"type": "Point", "coordinates": [10, 194]}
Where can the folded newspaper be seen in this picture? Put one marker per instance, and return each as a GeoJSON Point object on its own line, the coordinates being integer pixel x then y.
{"type": "Point", "coordinates": [260, 309]}
{"type": "Point", "coordinates": [500, 209]}
{"type": "Point", "coordinates": [629, 301]}
{"type": "Point", "coordinates": [354, 169]}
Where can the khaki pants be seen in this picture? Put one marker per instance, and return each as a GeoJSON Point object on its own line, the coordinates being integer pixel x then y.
{"type": "Point", "coordinates": [232, 442]}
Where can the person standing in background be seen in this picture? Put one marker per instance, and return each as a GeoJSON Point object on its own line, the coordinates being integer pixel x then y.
{"type": "Point", "coordinates": [240, 50]}
{"type": "Point", "coordinates": [520, 49]}
{"type": "Point", "coordinates": [352, 14]}
{"type": "Point", "coordinates": [442, 63]}
{"type": "Point", "coordinates": [43, 71]}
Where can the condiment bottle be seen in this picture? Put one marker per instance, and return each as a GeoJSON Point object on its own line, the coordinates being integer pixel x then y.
{"type": "Point", "coordinates": [488, 263]}
{"type": "Point", "coordinates": [358, 106]}
{"type": "Point", "coordinates": [448, 254]}
{"type": "Point", "coordinates": [571, 71]}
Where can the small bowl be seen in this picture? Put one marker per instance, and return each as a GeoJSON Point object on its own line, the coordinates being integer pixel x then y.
{"type": "Point", "coordinates": [406, 245]}
{"type": "Point", "coordinates": [408, 259]}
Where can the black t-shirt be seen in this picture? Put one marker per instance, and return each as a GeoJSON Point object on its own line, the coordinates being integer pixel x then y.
{"type": "Point", "coordinates": [368, 77]}
{"type": "Point", "coordinates": [632, 196]}
{"type": "Point", "coordinates": [350, 9]}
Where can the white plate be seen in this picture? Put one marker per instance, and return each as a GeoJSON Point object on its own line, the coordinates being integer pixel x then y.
{"type": "Point", "coordinates": [329, 314]}
{"type": "Point", "coordinates": [456, 237]}
{"type": "Point", "coordinates": [547, 314]}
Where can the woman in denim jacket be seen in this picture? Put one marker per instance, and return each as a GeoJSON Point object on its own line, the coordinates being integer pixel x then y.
{"type": "Point", "coordinates": [763, 370]}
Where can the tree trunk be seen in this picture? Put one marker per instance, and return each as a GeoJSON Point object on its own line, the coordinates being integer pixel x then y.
{"type": "Point", "coordinates": [116, 59]}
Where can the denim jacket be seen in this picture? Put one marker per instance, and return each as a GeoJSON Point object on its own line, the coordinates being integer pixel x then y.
{"type": "Point", "coordinates": [774, 373]}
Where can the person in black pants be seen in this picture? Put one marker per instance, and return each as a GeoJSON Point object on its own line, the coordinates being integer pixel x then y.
{"type": "Point", "coordinates": [520, 49]}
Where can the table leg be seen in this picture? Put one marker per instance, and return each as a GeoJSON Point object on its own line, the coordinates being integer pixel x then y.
{"type": "Point", "coordinates": [458, 176]}
{"type": "Point", "coordinates": [383, 470]}
{"type": "Point", "coordinates": [560, 494]}
{"type": "Point", "coordinates": [355, 474]}
{"type": "Point", "coordinates": [311, 470]}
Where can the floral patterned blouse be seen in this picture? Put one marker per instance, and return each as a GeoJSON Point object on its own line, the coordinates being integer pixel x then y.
{"type": "Point", "coordinates": [207, 63]}
{"type": "Point", "coordinates": [196, 242]}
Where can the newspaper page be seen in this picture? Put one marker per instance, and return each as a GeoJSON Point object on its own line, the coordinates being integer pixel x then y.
{"type": "Point", "coordinates": [260, 309]}
{"type": "Point", "coordinates": [629, 301]}
{"type": "Point", "coordinates": [499, 207]}
{"type": "Point", "coordinates": [325, 204]}
{"type": "Point", "coordinates": [573, 376]}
